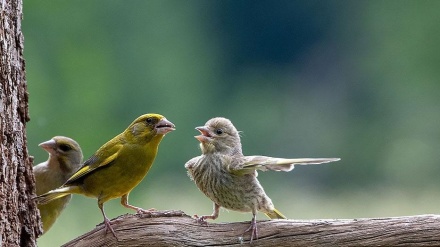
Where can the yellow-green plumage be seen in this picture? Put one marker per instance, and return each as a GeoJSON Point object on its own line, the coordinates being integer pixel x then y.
{"type": "Point", "coordinates": [65, 157]}
{"type": "Point", "coordinates": [119, 165]}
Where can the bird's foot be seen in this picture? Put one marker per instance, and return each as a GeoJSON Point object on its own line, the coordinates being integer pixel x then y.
{"type": "Point", "coordinates": [108, 227]}
{"type": "Point", "coordinates": [124, 202]}
{"type": "Point", "coordinates": [253, 229]}
{"type": "Point", "coordinates": [201, 219]}
{"type": "Point", "coordinates": [145, 211]}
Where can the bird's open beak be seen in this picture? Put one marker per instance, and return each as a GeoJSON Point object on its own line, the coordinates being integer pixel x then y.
{"type": "Point", "coordinates": [205, 136]}
{"type": "Point", "coordinates": [49, 146]}
{"type": "Point", "coordinates": [164, 126]}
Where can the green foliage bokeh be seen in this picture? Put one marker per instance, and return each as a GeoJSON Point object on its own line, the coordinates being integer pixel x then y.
{"type": "Point", "coordinates": [349, 79]}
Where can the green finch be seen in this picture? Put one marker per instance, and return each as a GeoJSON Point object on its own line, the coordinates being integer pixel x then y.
{"type": "Point", "coordinates": [118, 166]}
{"type": "Point", "coordinates": [229, 178]}
{"type": "Point", "coordinates": [65, 158]}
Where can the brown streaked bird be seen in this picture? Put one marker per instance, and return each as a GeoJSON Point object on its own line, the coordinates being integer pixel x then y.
{"type": "Point", "coordinates": [118, 166]}
{"type": "Point", "coordinates": [65, 158]}
{"type": "Point", "coordinates": [229, 178]}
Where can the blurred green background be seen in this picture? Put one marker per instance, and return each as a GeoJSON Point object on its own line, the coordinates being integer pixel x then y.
{"type": "Point", "coordinates": [357, 80]}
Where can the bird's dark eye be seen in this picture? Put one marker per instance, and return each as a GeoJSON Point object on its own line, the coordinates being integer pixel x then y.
{"type": "Point", "coordinates": [65, 147]}
{"type": "Point", "coordinates": [219, 131]}
{"type": "Point", "coordinates": [149, 120]}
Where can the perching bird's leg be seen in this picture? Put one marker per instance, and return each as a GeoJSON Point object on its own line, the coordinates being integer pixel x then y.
{"type": "Point", "coordinates": [124, 202]}
{"type": "Point", "coordinates": [107, 224]}
{"type": "Point", "coordinates": [253, 228]}
{"type": "Point", "coordinates": [202, 219]}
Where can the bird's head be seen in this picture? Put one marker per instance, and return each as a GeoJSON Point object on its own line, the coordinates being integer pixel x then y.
{"type": "Point", "coordinates": [66, 150]}
{"type": "Point", "coordinates": [148, 126]}
{"type": "Point", "coordinates": [219, 135]}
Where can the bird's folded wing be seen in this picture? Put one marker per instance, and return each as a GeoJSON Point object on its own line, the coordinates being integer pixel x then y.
{"type": "Point", "coordinates": [190, 163]}
{"type": "Point", "coordinates": [99, 159]}
{"type": "Point", "coordinates": [264, 163]}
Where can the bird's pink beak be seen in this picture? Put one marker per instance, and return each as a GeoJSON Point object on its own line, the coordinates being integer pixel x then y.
{"type": "Point", "coordinates": [164, 126]}
{"type": "Point", "coordinates": [49, 146]}
{"type": "Point", "coordinates": [205, 136]}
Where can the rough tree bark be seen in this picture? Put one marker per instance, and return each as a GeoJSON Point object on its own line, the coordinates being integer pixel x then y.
{"type": "Point", "coordinates": [175, 228]}
{"type": "Point", "coordinates": [19, 220]}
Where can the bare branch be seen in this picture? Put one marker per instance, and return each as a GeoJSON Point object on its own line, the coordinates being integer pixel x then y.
{"type": "Point", "coordinates": [175, 228]}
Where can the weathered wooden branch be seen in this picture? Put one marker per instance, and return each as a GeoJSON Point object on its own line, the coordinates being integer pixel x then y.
{"type": "Point", "coordinates": [175, 228]}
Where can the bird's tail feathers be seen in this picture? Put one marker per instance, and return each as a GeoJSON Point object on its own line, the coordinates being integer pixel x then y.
{"type": "Point", "coordinates": [55, 194]}
{"type": "Point", "coordinates": [275, 214]}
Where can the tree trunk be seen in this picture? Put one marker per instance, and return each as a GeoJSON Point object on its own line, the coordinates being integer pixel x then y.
{"type": "Point", "coordinates": [174, 228]}
{"type": "Point", "coordinates": [19, 220]}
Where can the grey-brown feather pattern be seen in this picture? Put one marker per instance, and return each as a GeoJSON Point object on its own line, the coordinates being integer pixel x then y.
{"type": "Point", "coordinates": [229, 178]}
{"type": "Point", "coordinates": [235, 192]}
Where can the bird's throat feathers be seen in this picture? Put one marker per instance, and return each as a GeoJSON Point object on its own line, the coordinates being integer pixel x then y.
{"type": "Point", "coordinates": [207, 147]}
{"type": "Point", "coordinates": [65, 166]}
